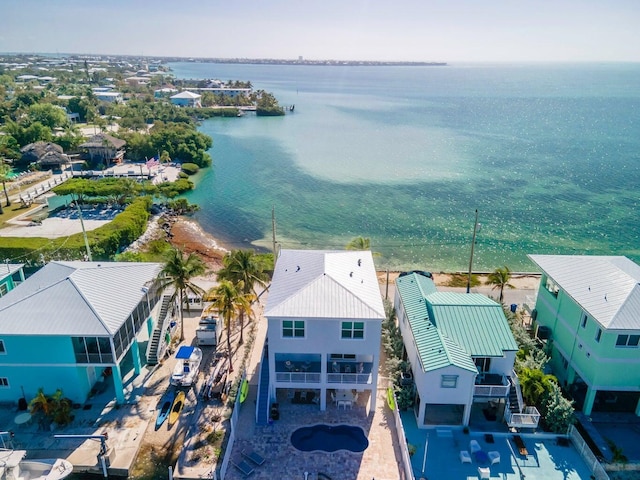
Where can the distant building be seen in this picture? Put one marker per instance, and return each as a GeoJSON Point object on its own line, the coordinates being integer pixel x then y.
{"type": "Point", "coordinates": [164, 92]}
{"type": "Point", "coordinates": [104, 148]}
{"type": "Point", "coordinates": [110, 97]}
{"type": "Point", "coordinates": [588, 314]}
{"type": "Point", "coordinates": [137, 81]}
{"type": "Point", "coordinates": [46, 154]}
{"type": "Point", "coordinates": [186, 99]}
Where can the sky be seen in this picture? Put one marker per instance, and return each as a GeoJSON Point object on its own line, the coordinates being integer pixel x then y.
{"type": "Point", "coordinates": [399, 30]}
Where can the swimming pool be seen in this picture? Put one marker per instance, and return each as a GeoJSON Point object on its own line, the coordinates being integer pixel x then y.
{"type": "Point", "coordinates": [329, 438]}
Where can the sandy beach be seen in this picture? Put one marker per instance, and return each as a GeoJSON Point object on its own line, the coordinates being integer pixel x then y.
{"type": "Point", "coordinates": [189, 236]}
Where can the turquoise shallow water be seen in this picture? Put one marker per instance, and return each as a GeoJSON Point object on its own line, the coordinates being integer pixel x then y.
{"type": "Point", "coordinates": [548, 154]}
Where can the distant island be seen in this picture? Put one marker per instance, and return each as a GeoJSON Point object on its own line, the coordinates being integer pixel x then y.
{"type": "Point", "coordinates": [300, 61]}
{"type": "Point", "coordinates": [247, 61]}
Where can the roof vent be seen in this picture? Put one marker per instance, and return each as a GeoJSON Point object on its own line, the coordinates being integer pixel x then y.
{"type": "Point", "coordinates": [359, 262]}
{"type": "Point", "coordinates": [298, 269]}
{"type": "Point", "coordinates": [351, 274]}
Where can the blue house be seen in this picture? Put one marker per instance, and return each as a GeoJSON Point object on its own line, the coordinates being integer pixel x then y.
{"type": "Point", "coordinates": [76, 325]}
{"type": "Point", "coordinates": [11, 275]}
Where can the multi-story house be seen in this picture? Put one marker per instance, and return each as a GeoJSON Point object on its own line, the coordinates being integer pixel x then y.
{"type": "Point", "coordinates": [461, 351]}
{"type": "Point", "coordinates": [588, 313]}
{"type": "Point", "coordinates": [324, 315]}
{"type": "Point", "coordinates": [77, 326]}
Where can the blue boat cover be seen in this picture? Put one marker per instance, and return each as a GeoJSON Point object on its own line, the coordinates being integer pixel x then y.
{"type": "Point", "coordinates": [184, 352]}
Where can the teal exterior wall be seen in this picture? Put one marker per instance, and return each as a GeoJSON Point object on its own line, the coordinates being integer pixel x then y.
{"type": "Point", "coordinates": [46, 362]}
{"type": "Point", "coordinates": [600, 363]}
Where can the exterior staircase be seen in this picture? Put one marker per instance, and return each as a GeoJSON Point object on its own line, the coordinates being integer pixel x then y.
{"type": "Point", "coordinates": [513, 399]}
{"type": "Point", "coordinates": [263, 407]}
{"type": "Point", "coordinates": [516, 403]}
{"type": "Point", "coordinates": [156, 336]}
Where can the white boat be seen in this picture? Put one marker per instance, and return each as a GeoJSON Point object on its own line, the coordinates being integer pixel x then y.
{"type": "Point", "coordinates": [187, 366]}
{"type": "Point", "coordinates": [13, 466]}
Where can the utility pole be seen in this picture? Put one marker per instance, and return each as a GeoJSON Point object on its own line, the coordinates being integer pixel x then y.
{"type": "Point", "coordinates": [473, 244]}
{"type": "Point", "coordinates": [84, 233]}
{"type": "Point", "coordinates": [273, 232]}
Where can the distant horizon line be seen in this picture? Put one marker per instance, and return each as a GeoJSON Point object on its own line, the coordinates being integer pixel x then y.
{"type": "Point", "coordinates": [308, 61]}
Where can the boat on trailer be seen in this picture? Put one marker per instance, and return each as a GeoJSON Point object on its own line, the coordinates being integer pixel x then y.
{"type": "Point", "coordinates": [13, 466]}
{"type": "Point", "coordinates": [187, 366]}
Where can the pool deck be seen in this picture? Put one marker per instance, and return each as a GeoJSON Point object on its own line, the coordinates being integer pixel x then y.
{"type": "Point", "coordinates": [380, 460]}
{"type": "Point", "coordinates": [546, 458]}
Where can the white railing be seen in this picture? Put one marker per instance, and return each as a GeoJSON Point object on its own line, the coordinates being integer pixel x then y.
{"type": "Point", "coordinates": [360, 378]}
{"type": "Point", "coordinates": [297, 377]}
{"type": "Point", "coordinates": [490, 390]}
{"type": "Point", "coordinates": [529, 418]}
{"type": "Point", "coordinates": [587, 455]}
{"type": "Point", "coordinates": [516, 384]}
{"type": "Point", "coordinates": [406, 469]}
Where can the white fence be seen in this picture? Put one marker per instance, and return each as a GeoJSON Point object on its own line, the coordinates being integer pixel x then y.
{"type": "Point", "coordinates": [406, 472]}
{"type": "Point", "coordinates": [587, 455]}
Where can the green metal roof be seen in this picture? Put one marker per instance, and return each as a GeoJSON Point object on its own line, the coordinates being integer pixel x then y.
{"type": "Point", "coordinates": [450, 328]}
{"type": "Point", "coordinates": [435, 350]}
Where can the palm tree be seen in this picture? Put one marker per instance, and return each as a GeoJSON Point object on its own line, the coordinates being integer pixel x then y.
{"type": "Point", "coordinates": [229, 301]}
{"type": "Point", "coordinates": [4, 177]}
{"type": "Point", "coordinates": [178, 272]}
{"type": "Point", "coordinates": [359, 243]}
{"type": "Point", "coordinates": [499, 278]}
{"type": "Point", "coordinates": [241, 267]}
{"type": "Point", "coordinates": [535, 383]}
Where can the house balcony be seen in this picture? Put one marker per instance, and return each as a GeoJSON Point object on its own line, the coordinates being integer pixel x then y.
{"type": "Point", "coordinates": [349, 372]}
{"type": "Point", "coordinates": [302, 371]}
{"type": "Point", "coordinates": [491, 385]}
{"type": "Point", "coordinates": [529, 418]}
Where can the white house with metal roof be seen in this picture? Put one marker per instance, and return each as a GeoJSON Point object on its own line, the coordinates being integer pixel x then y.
{"type": "Point", "coordinates": [186, 99]}
{"type": "Point", "coordinates": [588, 313]}
{"type": "Point", "coordinates": [72, 323]}
{"type": "Point", "coordinates": [461, 351]}
{"type": "Point", "coordinates": [324, 315]}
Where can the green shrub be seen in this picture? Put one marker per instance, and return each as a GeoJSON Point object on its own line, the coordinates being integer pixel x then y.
{"type": "Point", "coordinates": [190, 168]}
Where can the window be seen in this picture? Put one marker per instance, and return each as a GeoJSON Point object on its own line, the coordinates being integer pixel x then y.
{"type": "Point", "coordinates": [449, 381]}
{"type": "Point", "coordinates": [3, 350]}
{"type": "Point", "coordinates": [353, 330]}
{"type": "Point", "coordinates": [92, 349]}
{"type": "Point", "coordinates": [598, 335]}
{"type": "Point", "coordinates": [627, 340]}
{"type": "Point", "coordinates": [293, 328]}
{"type": "Point", "coordinates": [341, 356]}
{"type": "Point", "coordinates": [4, 382]}
{"type": "Point", "coordinates": [583, 322]}
{"type": "Point", "coordinates": [552, 287]}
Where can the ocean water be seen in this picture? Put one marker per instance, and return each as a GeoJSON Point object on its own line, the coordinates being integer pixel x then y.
{"type": "Point", "coordinates": [549, 155]}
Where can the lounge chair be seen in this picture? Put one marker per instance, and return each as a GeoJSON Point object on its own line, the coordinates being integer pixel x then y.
{"type": "Point", "coordinates": [244, 467]}
{"type": "Point", "coordinates": [253, 456]}
{"type": "Point", "coordinates": [522, 448]}
{"type": "Point", "coordinates": [474, 446]}
{"type": "Point", "coordinates": [494, 457]}
{"type": "Point", "coordinates": [465, 457]}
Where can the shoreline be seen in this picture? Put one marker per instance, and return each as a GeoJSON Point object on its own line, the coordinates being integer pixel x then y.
{"type": "Point", "coordinates": [189, 236]}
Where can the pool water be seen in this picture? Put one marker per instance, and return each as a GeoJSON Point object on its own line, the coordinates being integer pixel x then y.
{"type": "Point", "coordinates": [329, 438]}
